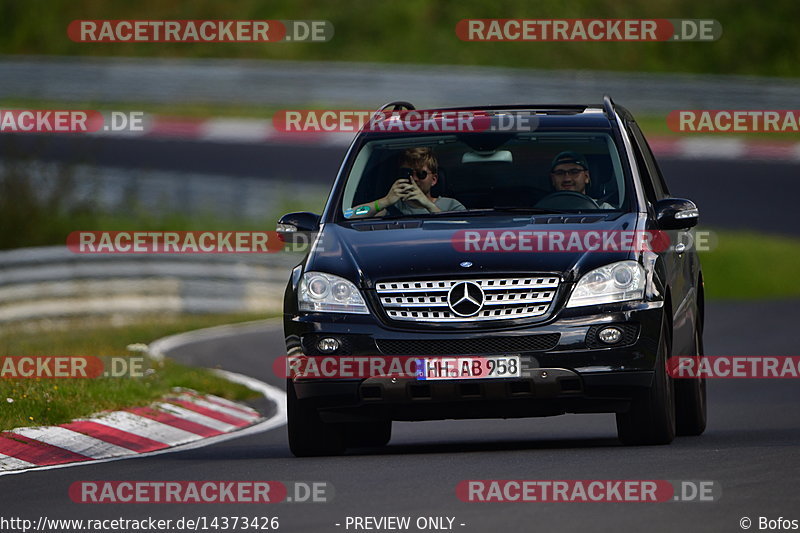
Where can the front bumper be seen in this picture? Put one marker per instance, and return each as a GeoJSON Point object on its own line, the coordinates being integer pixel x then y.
{"type": "Point", "coordinates": [567, 372]}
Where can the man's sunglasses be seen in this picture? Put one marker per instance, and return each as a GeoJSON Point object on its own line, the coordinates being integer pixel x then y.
{"type": "Point", "coordinates": [573, 172]}
{"type": "Point", "coordinates": [406, 172]}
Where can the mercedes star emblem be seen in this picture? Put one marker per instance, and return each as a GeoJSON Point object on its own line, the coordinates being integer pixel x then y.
{"type": "Point", "coordinates": [465, 298]}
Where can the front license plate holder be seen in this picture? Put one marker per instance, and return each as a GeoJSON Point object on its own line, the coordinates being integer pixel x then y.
{"type": "Point", "coordinates": [469, 367]}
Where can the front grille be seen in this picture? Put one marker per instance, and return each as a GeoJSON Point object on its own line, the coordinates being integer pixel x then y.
{"type": "Point", "coordinates": [504, 298]}
{"type": "Point", "coordinates": [481, 345]}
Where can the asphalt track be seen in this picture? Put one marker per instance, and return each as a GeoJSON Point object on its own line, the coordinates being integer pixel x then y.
{"type": "Point", "coordinates": [749, 448]}
{"type": "Point", "coordinates": [760, 195]}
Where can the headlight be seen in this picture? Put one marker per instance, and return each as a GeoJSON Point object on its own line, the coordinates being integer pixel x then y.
{"type": "Point", "coordinates": [617, 282]}
{"type": "Point", "coordinates": [327, 293]}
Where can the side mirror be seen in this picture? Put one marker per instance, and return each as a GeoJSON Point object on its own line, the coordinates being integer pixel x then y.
{"type": "Point", "coordinates": [676, 213]}
{"type": "Point", "coordinates": [289, 226]}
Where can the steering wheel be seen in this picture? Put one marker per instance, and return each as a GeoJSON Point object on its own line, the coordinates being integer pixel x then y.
{"type": "Point", "coordinates": [567, 200]}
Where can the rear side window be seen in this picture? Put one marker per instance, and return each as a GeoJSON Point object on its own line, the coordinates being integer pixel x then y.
{"type": "Point", "coordinates": [650, 163]}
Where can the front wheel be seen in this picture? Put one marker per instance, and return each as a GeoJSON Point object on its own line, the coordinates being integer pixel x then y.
{"type": "Point", "coordinates": [651, 417]}
{"type": "Point", "coordinates": [309, 436]}
{"type": "Point", "coordinates": [690, 398]}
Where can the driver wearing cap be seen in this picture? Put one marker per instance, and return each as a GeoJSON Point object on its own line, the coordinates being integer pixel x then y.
{"type": "Point", "coordinates": [569, 171]}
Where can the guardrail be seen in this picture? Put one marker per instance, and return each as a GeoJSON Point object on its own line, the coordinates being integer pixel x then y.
{"type": "Point", "coordinates": [50, 282]}
{"type": "Point", "coordinates": [366, 85]}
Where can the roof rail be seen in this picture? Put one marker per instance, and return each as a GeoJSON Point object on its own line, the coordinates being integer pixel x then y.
{"type": "Point", "coordinates": [544, 108]}
{"type": "Point", "coordinates": [398, 105]}
{"type": "Point", "coordinates": [608, 106]}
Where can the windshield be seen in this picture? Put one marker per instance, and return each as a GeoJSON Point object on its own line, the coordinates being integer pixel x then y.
{"type": "Point", "coordinates": [473, 174]}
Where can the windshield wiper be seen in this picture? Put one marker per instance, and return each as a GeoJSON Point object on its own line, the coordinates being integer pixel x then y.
{"type": "Point", "coordinates": [535, 210]}
{"type": "Point", "coordinates": [475, 212]}
{"type": "Point", "coordinates": [467, 212]}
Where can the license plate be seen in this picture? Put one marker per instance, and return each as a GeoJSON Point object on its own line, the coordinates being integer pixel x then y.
{"type": "Point", "coordinates": [507, 366]}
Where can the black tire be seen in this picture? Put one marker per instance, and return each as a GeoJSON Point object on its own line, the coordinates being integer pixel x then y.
{"type": "Point", "coordinates": [309, 436]}
{"type": "Point", "coordinates": [690, 399]}
{"type": "Point", "coordinates": [369, 433]}
{"type": "Point", "coordinates": [651, 417]}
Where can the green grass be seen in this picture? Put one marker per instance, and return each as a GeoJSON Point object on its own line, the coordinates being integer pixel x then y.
{"type": "Point", "coordinates": [757, 37]}
{"type": "Point", "coordinates": [188, 110]}
{"type": "Point", "coordinates": [751, 266]}
{"type": "Point", "coordinates": [39, 401]}
{"type": "Point", "coordinates": [656, 126]}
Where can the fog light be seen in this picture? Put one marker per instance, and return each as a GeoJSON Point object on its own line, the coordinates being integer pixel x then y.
{"type": "Point", "coordinates": [610, 335]}
{"type": "Point", "coordinates": [328, 345]}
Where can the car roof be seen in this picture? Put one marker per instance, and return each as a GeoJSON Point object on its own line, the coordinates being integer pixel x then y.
{"type": "Point", "coordinates": [548, 109]}
{"type": "Point", "coordinates": [586, 119]}
{"type": "Point", "coordinates": [555, 116]}
{"type": "Point", "coordinates": [607, 108]}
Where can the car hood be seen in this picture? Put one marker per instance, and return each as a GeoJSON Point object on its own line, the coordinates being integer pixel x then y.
{"type": "Point", "coordinates": [367, 252]}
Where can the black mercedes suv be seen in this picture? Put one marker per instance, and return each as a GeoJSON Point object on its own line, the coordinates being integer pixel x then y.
{"type": "Point", "coordinates": [501, 238]}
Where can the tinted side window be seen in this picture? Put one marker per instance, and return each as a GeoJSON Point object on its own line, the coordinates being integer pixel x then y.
{"type": "Point", "coordinates": [644, 170]}
{"type": "Point", "coordinates": [650, 161]}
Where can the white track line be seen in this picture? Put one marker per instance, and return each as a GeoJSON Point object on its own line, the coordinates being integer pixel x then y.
{"type": "Point", "coordinates": [146, 427]}
{"type": "Point", "coordinates": [271, 393]}
{"type": "Point", "coordinates": [72, 441]}
{"type": "Point", "coordinates": [274, 394]}
{"type": "Point", "coordinates": [710, 148]}
{"type": "Point", "coordinates": [197, 418]}
{"type": "Point", "coordinates": [236, 130]}
{"type": "Point", "coordinates": [235, 413]}
{"type": "Point", "coordinates": [7, 462]}
{"type": "Point", "coordinates": [233, 405]}
{"type": "Point", "coordinates": [160, 347]}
